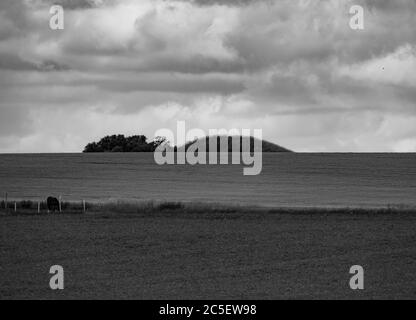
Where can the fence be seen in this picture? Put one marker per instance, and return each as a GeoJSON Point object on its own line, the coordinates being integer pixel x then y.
{"type": "Point", "coordinates": [41, 206]}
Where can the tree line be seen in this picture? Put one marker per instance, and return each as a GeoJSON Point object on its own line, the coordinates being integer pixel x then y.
{"type": "Point", "coordinates": [120, 143]}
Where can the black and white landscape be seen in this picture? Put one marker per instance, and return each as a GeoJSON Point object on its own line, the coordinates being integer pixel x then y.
{"type": "Point", "coordinates": [110, 116]}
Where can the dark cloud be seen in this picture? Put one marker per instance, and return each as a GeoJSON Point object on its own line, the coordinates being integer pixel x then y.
{"type": "Point", "coordinates": [291, 67]}
{"type": "Point", "coordinates": [14, 19]}
{"type": "Point", "coordinates": [197, 64]}
{"type": "Point", "coordinates": [390, 6]}
{"type": "Point", "coordinates": [75, 4]}
{"type": "Point", "coordinates": [227, 2]}
{"type": "Point", "coordinates": [172, 83]}
{"type": "Point", "coordinates": [14, 62]}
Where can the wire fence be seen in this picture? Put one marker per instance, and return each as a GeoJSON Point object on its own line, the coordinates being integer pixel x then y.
{"type": "Point", "coordinates": [42, 205]}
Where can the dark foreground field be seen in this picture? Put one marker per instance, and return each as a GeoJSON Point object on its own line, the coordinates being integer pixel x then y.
{"type": "Point", "coordinates": [208, 256]}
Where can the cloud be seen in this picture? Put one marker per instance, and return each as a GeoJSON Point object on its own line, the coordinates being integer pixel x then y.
{"type": "Point", "coordinates": [72, 4]}
{"type": "Point", "coordinates": [396, 68]}
{"type": "Point", "coordinates": [293, 68]}
{"type": "Point", "coordinates": [14, 62]}
{"type": "Point", "coordinates": [225, 2]}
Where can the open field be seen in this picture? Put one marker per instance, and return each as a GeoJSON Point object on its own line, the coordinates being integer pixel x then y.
{"type": "Point", "coordinates": [181, 254]}
{"type": "Point", "coordinates": [287, 179]}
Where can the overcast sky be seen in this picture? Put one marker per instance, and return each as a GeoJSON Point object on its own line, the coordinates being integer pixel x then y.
{"type": "Point", "coordinates": [292, 68]}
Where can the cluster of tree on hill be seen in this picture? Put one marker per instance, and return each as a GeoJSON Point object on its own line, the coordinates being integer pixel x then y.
{"type": "Point", "coordinates": [120, 143]}
{"type": "Point", "coordinates": [138, 143]}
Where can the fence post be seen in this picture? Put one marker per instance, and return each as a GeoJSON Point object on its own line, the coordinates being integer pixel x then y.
{"type": "Point", "coordinates": [60, 205]}
{"type": "Point", "coordinates": [83, 205]}
{"type": "Point", "coordinates": [5, 201]}
{"type": "Point", "coordinates": [38, 206]}
{"type": "Point", "coordinates": [15, 207]}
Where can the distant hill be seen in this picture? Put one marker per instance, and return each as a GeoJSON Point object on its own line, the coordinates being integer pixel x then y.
{"type": "Point", "coordinates": [138, 143]}
{"type": "Point", "coordinates": [266, 145]}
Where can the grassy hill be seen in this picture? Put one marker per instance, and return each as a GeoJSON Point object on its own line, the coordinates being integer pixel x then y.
{"type": "Point", "coordinates": [266, 145]}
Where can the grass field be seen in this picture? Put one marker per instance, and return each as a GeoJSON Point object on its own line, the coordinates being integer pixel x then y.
{"type": "Point", "coordinates": [189, 254]}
